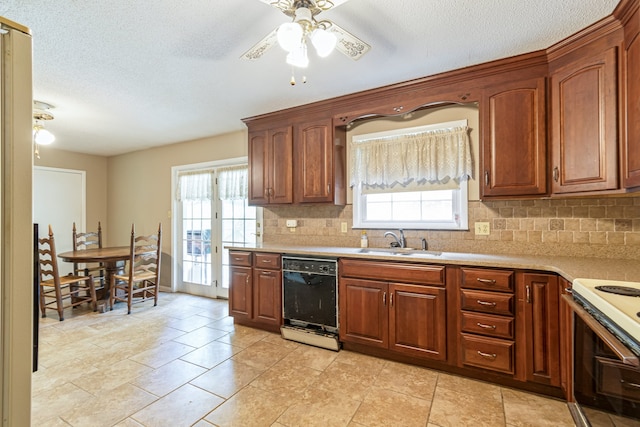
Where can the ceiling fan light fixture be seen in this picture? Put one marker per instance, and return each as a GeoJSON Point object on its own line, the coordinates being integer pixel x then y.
{"type": "Point", "coordinates": [289, 36]}
{"type": "Point", "coordinates": [298, 57]}
{"type": "Point", "coordinates": [323, 41]}
{"type": "Point", "coordinates": [41, 136]}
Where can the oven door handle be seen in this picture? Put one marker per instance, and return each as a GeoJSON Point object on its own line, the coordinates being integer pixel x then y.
{"type": "Point", "coordinates": [624, 354]}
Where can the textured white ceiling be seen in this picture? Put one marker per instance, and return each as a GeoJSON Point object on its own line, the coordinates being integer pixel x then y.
{"type": "Point", "coordinates": [126, 75]}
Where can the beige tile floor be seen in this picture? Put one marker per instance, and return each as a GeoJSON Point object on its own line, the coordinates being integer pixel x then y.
{"type": "Point", "coordinates": [184, 363]}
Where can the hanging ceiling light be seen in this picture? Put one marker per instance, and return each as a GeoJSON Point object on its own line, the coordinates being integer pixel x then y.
{"type": "Point", "coordinates": [292, 37]}
{"type": "Point", "coordinates": [41, 136]}
{"type": "Point", "coordinates": [304, 29]}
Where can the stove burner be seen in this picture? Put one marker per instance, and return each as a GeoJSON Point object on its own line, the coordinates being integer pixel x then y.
{"type": "Point", "coordinates": [620, 290]}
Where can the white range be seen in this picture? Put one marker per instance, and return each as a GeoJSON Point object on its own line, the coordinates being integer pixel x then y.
{"type": "Point", "coordinates": [618, 301]}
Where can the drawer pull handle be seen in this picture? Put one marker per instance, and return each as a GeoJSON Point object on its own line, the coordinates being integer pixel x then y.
{"type": "Point", "coordinates": [482, 325]}
{"type": "Point", "coordinates": [491, 356]}
{"type": "Point", "coordinates": [487, 281]}
{"type": "Point", "coordinates": [237, 259]}
{"type": "Point", "coordinates": [266, 273]}
{"type": "Point", "coordinates": [266, 261]}
{"type": "Point", "coordinates": [491, 304]}
{"type": "Point", "coordinates": [384, 299]}
{"type": "Point", "coordinates": [629, 385]}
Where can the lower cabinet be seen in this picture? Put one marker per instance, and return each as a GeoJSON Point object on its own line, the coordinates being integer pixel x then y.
{"type": "Point", "coordinates": [510, 323]}
{"type": "Point", "coordinates": [406, 314]}
{"type": "Point", "coordinates": [539, 327]}
{"type": "Point", "coordinates": [486, 319]}
{"type": "Point", "coordinates": [255, 292]}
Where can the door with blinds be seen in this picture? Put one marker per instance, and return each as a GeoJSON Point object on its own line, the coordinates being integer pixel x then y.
{"type": "Point", "coordinates": [211, 212]}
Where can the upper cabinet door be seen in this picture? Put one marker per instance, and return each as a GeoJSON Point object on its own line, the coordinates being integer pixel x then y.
{"type": "Point", "coordinates": [319, 152]}
{"type": "Point", "coordinates": [314, 162]}
{"type": "Point", "coordinates": [584, 115]}
{"type": "Point", "coordinates": [631, 165]}
{"type": "Point", "coordinates": [271, 166]}
{"type": "Point", "coordinates": [514, 139]}
{"type": "Point", "coordinates": [258, 168]}
{"type": "Point", "coordinates": [281, 164]}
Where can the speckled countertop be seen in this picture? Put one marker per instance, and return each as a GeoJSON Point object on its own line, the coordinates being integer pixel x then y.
{"type": "Point", "coordinates": [568, 267]}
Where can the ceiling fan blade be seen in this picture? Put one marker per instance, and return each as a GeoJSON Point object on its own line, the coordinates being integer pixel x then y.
{"type": "Point", "coordinates": [329, 4]}
{"type": "Point", "coordinates": [262, 46]}
{"type": "Point", "coordinates": [349, 44]}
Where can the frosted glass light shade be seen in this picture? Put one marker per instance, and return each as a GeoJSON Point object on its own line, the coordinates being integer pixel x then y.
{"type": "Point", "coordinates": [323, 41]}
{"type": "Point", "coordinates": [289, 36]}
{"type": "Point", "coordinates": [41, 136]}
{"type": "Point", "coordinates": [298, 56]}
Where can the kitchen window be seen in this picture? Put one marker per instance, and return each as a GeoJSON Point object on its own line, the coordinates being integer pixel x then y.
{"type": "Point", "coordinates": [413, 178]}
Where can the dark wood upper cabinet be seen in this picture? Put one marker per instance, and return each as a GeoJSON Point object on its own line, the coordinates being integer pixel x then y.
{"type": "Point", "coordinates": [513, 117]}
{"type": "Point", "coordinates": [563, 121]}
{"type": "Point", "coordinates": [271, 166]}
{"type": "Point", "coordinates": [584, 116]}
{"type": "Point", "coordinates": [319, 153]}
{"type": "Point", "coordinates": [631, 160]}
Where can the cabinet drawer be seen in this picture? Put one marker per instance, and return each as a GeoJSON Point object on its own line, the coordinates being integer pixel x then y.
{"type": "Point", "coordinates": [482, 278]}
{"type": "Point", "coordinates": [486, 324]}
{"type": "Point", "coordinates": [486, 302]}
{"type": "Point", "coordinates": [264, 260]}
{"type": "Point", "coordinates": [488, 353]}
{"type": "Point", "coordinates": [393, 271]}
{"type": "Point", "coordinates": [617, 380]}
{"type": "Point", "coordinates": [239, 258]}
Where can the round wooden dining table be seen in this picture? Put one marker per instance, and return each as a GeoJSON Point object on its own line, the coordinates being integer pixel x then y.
{"type": "Point", "coordinates": [112, 258]}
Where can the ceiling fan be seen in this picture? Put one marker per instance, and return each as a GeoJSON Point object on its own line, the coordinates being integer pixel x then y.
{"type": "Point", "coordinates": [324, 35]}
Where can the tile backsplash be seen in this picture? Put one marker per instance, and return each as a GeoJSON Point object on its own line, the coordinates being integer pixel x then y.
{"type": "Point", "coordinates": [590, 227]}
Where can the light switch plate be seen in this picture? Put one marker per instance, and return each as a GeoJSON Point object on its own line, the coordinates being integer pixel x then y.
{"type": "Point", "coordinates": [292, 223]}
{"type": "Point", "coordinates": [482, 228]}
{"type": "Point", "coordinates": [343, 227]}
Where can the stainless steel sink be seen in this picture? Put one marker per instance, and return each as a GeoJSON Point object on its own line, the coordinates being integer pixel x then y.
{"type": "Point", "coordinates": [399, 251]}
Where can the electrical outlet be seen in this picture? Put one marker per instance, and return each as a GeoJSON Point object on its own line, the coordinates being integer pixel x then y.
{"type": "Point", "coordinates": [482, 228]}
{"type": "Point", "coordinates": [292, 223]}
{"type": "Point", "coordinates": [343, 227]}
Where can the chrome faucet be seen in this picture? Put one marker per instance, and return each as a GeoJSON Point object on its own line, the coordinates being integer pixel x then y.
{"type": "Point", "coordinates": [424, 244]}
{"type": "Point", "coordinates": [400, 242]}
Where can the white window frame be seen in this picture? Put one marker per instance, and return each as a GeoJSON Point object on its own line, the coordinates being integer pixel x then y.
{"type": "Point", "coordinates": [460, 211]}
{"type": "Point", "coordinates": [460, 207]}
{"type": "Point", "coordinates": [176, 251]}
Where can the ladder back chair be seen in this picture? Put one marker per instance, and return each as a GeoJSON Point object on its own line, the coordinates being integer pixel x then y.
{"type": "Point", "coordinates": [55, 290]}
{"type": "Point", "coordinates": [142, 280]}
{"type": "Point", "coordinates": [89, 240]}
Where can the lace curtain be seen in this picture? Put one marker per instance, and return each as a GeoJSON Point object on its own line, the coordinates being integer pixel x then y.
{"type": "Point", "coordinates": [232, 182]}
{"type": "Point", "coordinates": [195, 185]}
{"type": "Point", "coordinates": [434, 156]}
{"type": "Point", "coordinates": [198, 185]}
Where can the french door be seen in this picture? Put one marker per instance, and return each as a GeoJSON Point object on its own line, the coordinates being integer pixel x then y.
{"type": "Point", "coordinates": [202, 228]}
